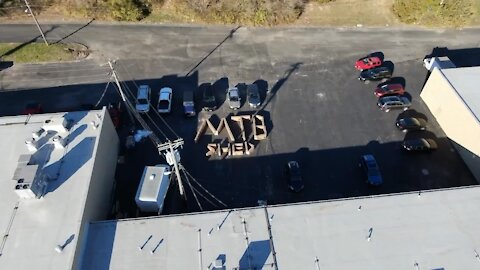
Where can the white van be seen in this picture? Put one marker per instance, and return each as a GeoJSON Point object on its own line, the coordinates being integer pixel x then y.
{"type": "Point", "coordinates": [143, 99]}
{"type": "Point", "coordinates": [153, 188]}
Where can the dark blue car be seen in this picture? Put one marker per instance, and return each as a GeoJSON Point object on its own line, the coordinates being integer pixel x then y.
{"type": "Point", "coordinates": [372, 172]}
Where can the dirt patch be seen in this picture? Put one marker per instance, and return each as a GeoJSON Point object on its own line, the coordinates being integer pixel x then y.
{"type": "Point", "coordinates": [349, 13]}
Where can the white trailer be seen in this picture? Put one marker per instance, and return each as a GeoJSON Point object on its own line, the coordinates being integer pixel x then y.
{"type": "Point", "coordinates": [153, 188]}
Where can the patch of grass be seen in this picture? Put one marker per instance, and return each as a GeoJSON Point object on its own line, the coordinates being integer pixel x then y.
{"type": "Point", "coordinates": [435, 12]}
{"type": "Point", "coordinates": [35, 52]}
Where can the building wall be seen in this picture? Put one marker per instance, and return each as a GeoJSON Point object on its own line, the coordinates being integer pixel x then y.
{"type": "Point", "coordinates": [454, 117]}
{"type": "Point", "coordinates": [98, 200]}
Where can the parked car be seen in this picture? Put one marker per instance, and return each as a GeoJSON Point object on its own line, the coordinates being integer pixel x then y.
{"type": "Point", "coordinates": [143, 99]}
{"type": "Point", "coordinates": [389, 89]}
{"type": "Point", "coordinates": [33, 108]}
{"type": "Point", "coordinates": [393, 102]}
{"type": "Point", "coordinates": [253, 96]}
{"type": "Point", "coordinates": [208, 97]}
{"type": "Point", "coordinates": [189, 103]}
{"type": "Point", "coordinates": [419, 144]}
{"type": "Point", "coordinates": [165, 100]}
{"type": "Point", "coordinates": [373, 74]}
{"type": "Point", "coordinates": [368, 62]}
{"type": "Point", "coordinates": [411, 123]}
{"type": "Point", "coordinates": [371, 170]}
{"type": "Point", "coordinates": [294, 176]}
{"type": "Point", "coordinates": [233, 98]}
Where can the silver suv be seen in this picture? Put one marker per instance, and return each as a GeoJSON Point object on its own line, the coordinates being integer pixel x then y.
{"type": "Point", "coordinates": [393, 102]}
{"type": "Point", "coordinates": [233, 98]}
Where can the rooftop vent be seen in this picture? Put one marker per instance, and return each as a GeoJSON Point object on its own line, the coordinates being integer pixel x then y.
{"type": "Point", "coordinates": [31, 145]}
{"type": "Point", "coordinates": [58, 141]}
{"type": "Point", "coordinates": [37, 134]}
{"type": "Point", "coordinates": [56, 124]}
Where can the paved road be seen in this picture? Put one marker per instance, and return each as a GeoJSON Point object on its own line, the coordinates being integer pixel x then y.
{"type": "Point", "coordinates": [149, 51]}
{"type": "Point", "coordinates": [319, 113]}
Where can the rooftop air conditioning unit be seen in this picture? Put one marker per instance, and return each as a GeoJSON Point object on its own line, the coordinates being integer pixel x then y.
{"type": "Point", "coordinates": [31, 184]}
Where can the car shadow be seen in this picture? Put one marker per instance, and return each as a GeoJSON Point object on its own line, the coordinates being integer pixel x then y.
{"type": "Point", "coordinates": [420, 134]}
{"type": "Point", "coordinates": [262, 89]}
{"type": "Point", "coordinates": [394, 80]}
{"type": "Point", "coordinates": [378, 54]}
{"type": "Point", "coordinates": [408, 96]}
{"type": "Point", "coordinates": [220, 88]}
{"type": "Point", "coordinates": [242, 93]}
{"type": "Point", "coordinates": [390, 65]}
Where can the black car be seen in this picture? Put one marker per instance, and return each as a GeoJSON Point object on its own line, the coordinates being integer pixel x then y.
{"type": "Point", "coordinates": [411, 124]}
{"type": "Point", "coordinates": [377, 73]}
{"type": "Point", "coordinates": [209, 102]}
{"type": "Point", "coordinates": [419, 144]}
{"type": "Point", "coordinates": [294, 176]}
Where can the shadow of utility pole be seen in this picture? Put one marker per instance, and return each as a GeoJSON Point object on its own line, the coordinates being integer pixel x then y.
{"type": "Point", "coordinates": [27, 42]}
{"type": "Point", "coordinates": [230, 35]}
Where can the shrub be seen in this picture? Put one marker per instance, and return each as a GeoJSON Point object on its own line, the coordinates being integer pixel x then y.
{"type": "Point", "coordinates": [125, 10]}
{"type": "Point", "coordinates": [434, 12]}
{"type": "Point", "coordinates": [256, 12]}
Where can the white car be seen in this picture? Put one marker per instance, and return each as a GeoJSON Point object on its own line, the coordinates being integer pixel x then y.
{"type": "Point", "coordinates": [143, 99]}
{"type": "Point", "coordinates": [165, 100]}
{"type": "Point", "coordinates": [233, 98]}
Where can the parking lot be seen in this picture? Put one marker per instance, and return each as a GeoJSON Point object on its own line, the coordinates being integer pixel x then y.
{"type": "Point", "coordinates": [324, 120]}
{"type": "Point", "coordinates": [315, 110]}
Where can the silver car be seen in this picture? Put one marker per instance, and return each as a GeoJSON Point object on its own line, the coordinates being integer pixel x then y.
{"type": "Point", "coordinates": [233, 98]}
{"type": "Point", "coordinates": [393, 102]}
{"type": "Point", "coordinates": [253, 96]}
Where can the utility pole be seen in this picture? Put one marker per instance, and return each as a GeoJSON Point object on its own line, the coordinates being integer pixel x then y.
{"type": "Point", "coordinates": [168, 147]}
{"type": "Point", "coordinates": [36, 22]}
{"type": "Point", "coordinates": [177, 171]}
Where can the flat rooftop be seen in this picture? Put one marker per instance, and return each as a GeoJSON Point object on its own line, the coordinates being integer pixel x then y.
{"type": "Point", "coordinates": [33, 227]}
{"type": "Point", "coordinates": [466, 82]}
{"type": "Point", "coordinates": [436, 230]}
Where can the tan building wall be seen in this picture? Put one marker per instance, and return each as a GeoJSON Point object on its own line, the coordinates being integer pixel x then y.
{"type": "Point", "coordinates": [451, 112]}
{"type": "Point", "coordinates": [455, 118]}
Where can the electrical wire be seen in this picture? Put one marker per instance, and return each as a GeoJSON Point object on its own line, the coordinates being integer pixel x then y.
{"type": "Point", "coordinates": [152, 107]}
{"type": "Point", "coordinates": [193, 191]}
{"type": "Point", "coordinates": [204, 189]}
{"type": "Point", "coordinates": [103, 94]}
{"type": "Point", "coordinates": [131, 96]}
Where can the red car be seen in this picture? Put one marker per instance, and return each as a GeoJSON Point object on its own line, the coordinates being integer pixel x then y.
{"type": "Point", "coordinates": [32, 108]}
{"type": "Point", "coordinates": [389, 89]}
{"type": "Point", "coordinates": [368, 63]}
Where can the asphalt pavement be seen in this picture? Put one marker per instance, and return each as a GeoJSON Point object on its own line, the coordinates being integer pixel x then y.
{"type": "Point", "coordinates": [317, 112]}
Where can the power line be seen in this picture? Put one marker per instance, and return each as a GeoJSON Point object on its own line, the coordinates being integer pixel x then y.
{"type": "Point", "coordinates": [168, 147]}
{"type": "Point", "coordinates": [194, 194]}
{"type": "Point", "coordinates": [204, 189]}
{"type": "Point", "coordinates": [151, 106]}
